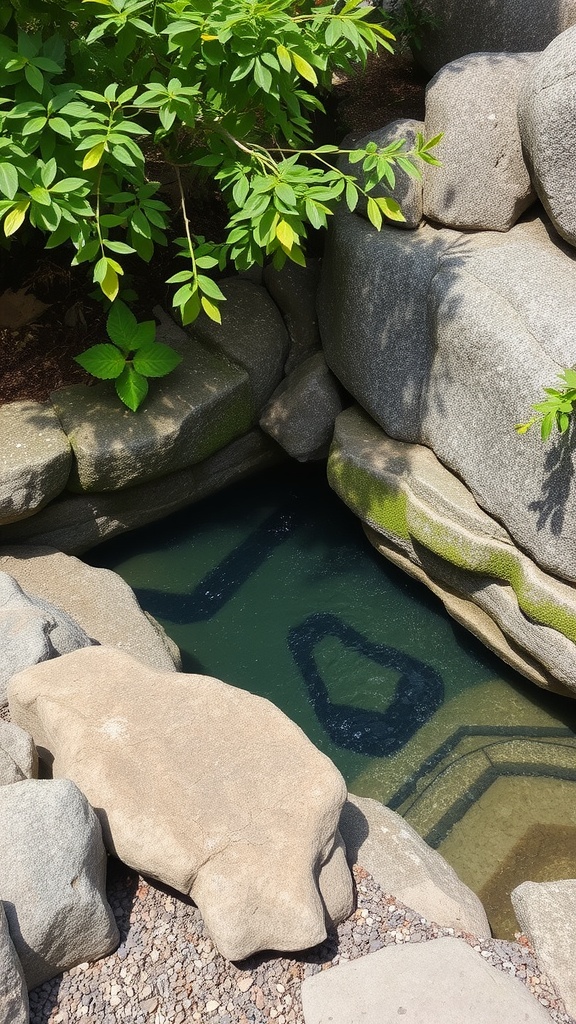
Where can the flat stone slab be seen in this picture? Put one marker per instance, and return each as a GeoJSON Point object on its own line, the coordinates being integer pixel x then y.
{"type": "Point", "coordinates": [204, 786]}
{"type": "Point", "coordinates": [197, 409]}
{"type": "Point", "coordinates": [35, 458]}
{"type": "Point", "coordinates": [406, 867]}
{"type": "Point", "coordinates": [99, 600]}
{"type": "Point", "coordinates": [438, 982]}
{"type": "Point", "coordinates": [545, 912]}
{"type": "Point", "coordinates": [74, 523]}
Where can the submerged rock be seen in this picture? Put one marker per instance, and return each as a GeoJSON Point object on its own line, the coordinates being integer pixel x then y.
{"type": "Point", "coordinates": [211, 789]}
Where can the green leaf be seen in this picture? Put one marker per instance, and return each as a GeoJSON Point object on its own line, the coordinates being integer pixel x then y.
{"type": "Point", "coordinates": [304, 68]}
{"type": "Point", "coordinates": [122, 326]}
{"type": "Point", "coordinates": [15, 218]}
{"type": "Point", "coordinates": [351, 196]}
{"type": "Point", "coordinates": [59, 125]}
{"type": "Point", "coordinates": [103, 361]}
{"type": "Point", "coordinates": [93, 156]}
{"type": "Point", "coordinates": [390, 208]}
{"type": "Point", "coordinates": [68, 185]}
{"type": "Point", "coordinates": [34, 125]}
{"type": "Point", "coordinates": [120, 247]}
{"type": "Point", "coordinates": [569, 375]}
{"type": "Point", "coordinates": [34, 77]}
{"type": "Point", "coordinates": [374, 214]}
{"type": "Point", "coordinates": [156, 360]}
{"type": "Point", "coordinates": [284, 57]}
{"type": "Point", "coordinates": [8, 180]}
{"type": "Point", "coordinates": [209, 287]}
{"type": "Point", "coordinates": [211, 310]}
{"type": "Point", "coordinates": [131, 388]}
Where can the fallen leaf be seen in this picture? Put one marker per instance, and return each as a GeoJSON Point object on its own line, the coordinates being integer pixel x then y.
{"type": "Point", "coordinates": [20, 308]}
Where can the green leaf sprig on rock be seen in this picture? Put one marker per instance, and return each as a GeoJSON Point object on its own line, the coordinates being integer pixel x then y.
{"type": "Point", "coordinates": [556, 410]}
{"type": "Point", "coordinates": [131, 356]}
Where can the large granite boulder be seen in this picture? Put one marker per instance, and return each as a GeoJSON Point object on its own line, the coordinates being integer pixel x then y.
{"type": "Point", "coordinates": [13, 991]}
{"type": "Point", "coordinates": [453, 28]}
{"type": "Point", "coordinates": [483, 182]}
{"type": "Point", "coordinates": [407, 190]}
{"type": "Point", "coordinates": [405, 494]}
{"type": "Point", "coordinates": [32, 630]}
{"type": "Point", "coordinates": [211, 789]}
{"type": "Point", "coordinates": [201, 406]}
{"type": "Point", "coordinates": [18, 757]}
{"type": "Point", "coordinates": [252, 334]}
{"type": "Point", "coordinates": [371, 313]}
{"type": "Point", "coordinates": [98, 600]}
{"type": "Point", "coordinates": [440, 982]}
{"type": "Point", "coordinates": [547, 119]}
{"type": "Point", "coordinates": [301, 413]}
{"type": "Point", "coordinates": [454, 338]}
{"type": "Point", "coordinates": [545, 912]}
{"type": "Point", "coordinates": [405, 866]}
{"type": "Point", "coordinates": [35, 458]}
{"type": "Point", "coordinates": [52, 878]}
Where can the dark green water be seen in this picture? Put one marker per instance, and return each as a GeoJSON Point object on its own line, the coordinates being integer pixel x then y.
{"type": "Point", "coordinates": [273, 587]}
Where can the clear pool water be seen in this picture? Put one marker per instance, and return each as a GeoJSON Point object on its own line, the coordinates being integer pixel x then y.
{"type": "Point", "coordinates": [272, 586]}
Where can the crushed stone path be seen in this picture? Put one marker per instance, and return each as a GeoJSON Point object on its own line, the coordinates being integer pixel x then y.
{"type": "Point", "coordinates": [167, 970]}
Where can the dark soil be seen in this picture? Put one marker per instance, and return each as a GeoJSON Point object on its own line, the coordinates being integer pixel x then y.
{"type": "Point", "coordinates": [38, 357]}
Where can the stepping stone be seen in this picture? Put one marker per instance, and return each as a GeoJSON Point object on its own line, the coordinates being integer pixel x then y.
{"type": "Point", "coordinates": [438, 982]}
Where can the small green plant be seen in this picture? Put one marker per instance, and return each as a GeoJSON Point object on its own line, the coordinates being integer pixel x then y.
{"type": "Point", "coordinates": [556, 410]}
{"type": "Point", "coordinates": [131, 356]}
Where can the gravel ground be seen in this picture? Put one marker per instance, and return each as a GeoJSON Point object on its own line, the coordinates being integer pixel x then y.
{"type": "Point", "coordinates": [167, 969]}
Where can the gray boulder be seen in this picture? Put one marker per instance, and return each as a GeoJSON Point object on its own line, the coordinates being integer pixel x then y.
{"type": "Point", "coordinates": [52, 878]}
{"type": "Point", "coordinates": [252, 334]}
{"type": "Point", "coordinates": [13, 991]}
{"type": "Point", "coordinates": [18, 757]}
{"type": "Point", "coordinates": [294, 291]}
{"type": "Point", "coordinates": [547, 119]}
{"type": "Point", "coordinates": [407, 191]}
{"type": "Point", "coordinates": [440, 982]}
{"type": "Point", "coordinates": [32, 629]}
{"type": "Point", "coordinates": [35, 459]}
{"type": "Point", "coordinates": [483, 182]}
{"type": "Point", "coordinates": [371, 312]}
{"type": "Point", "coordinates": [301, 413]}
{"type": "Point", "coordinates": [545, 912]}
{"type": "Point", "coordinates": [241, 810]}
{"type": "Point", "coordinates": [453, 28]}
{"type": "Point", "coordinates": [405, 866]}
{"type": "Point", "coordinates": [448, 340]}
{"type": "Point", "coordinates": [98, 600]}
{"type": "Point", "coordinates": [501, 309]}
